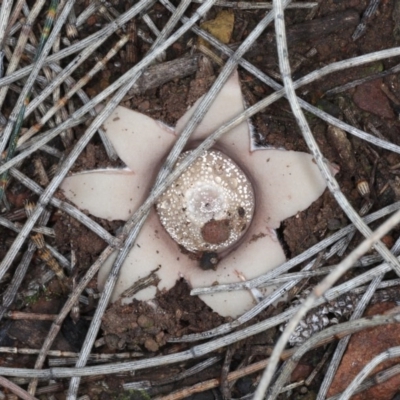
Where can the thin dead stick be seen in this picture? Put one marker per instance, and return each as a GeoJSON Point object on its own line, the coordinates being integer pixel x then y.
{"type": "Point", "coordinates": [20, 103]}
{"type": "Point", "coordinates": [94, 358]}
{"type": "Point", "coordinates": [17, 315]}
{"type": "Point", "coordinates": [224, 386]}
{"type": "Point", "coordinates": [61, 114]}
{"type": "Point", "coordinates": [76, 47]}
{"type": "Point", "coordinates": [176, 377]}
{"type": "Point", "coordinates": [161, 73]}
{"type": "Point", "coordinates": [19, 274]}
{"type": "Point", "coordinates": [70, 357]}
{"type": "Point", "coordinates": [53, 85]}
{"type": "Point", "coordinates": [151, 25]}
{"type": "Point", "coordinates": [317, 369]}
{"type": "Point", "coordinates": [316, 28]}
{"type": "Point", "coordinates": [79, 85]}
{"type": "Point", "coordinates": [214, 383]}
{"type": "Point", "coordinates": [53, 353]}
{"type": "Point", "coordinates": [23, 38]}
{"type": "Point", "coordinates": [14, 124]}
{"type": "Point", "coordinates": [357, 82]}
{"type": "Point", "coordinates": [5, 11]}
{"type": "Point", "coordinates": [93, 8]}
{"type": "Point", "coordinates": [16, 389]}
{"type": "Point", "coordinates": [370, 10]}
{"type": "Point", "coordinates": [243, 5]}
{"type": "Point", "coordinates": [13, 18]}
{"type": "Point", "coordinates": [87, 12]}
{"type": "Point", "coordinates": [14, 227]}
{"type": "Point", "coordinates": [321, 338]}
{"type": "Point", "coordinates": [64, 74]}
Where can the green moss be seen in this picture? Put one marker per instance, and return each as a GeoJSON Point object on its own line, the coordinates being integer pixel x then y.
{"type": "Point", "coordinates": [29, 300]}
{"type": "Point", "coordinates": [374, 68]}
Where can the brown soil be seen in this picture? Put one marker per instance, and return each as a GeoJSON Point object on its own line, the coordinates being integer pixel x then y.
{"type": "Point", "coordinates": [138, 327]}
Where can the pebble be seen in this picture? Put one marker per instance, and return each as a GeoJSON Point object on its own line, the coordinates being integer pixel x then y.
{"type": "Point", "coordinates": [369, 97]}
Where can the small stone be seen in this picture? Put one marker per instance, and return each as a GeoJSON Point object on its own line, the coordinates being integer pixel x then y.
{"type": "Point", "coordinates": [302, 371]}
{"type": "Point", "coordinates": [369, 97]}
{"type": "Point", "coordinates": [112, 341]}
{"type": "Point", "coordinates": [151, 345]}
{"type": "Point", "coordinates": [334, 224]}
{"type": "Point", "coordinates": [388, 241]}
{"type": "Point", "coordinates": [160, 338]}
{"type": "Point", "coordinates": [144, 106]}
{"type": "Point", "coordinates": [145, 322]}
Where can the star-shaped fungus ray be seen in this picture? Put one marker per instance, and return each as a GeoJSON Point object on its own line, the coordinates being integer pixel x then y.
{"type": "Point", "coordinates": [283, 183]}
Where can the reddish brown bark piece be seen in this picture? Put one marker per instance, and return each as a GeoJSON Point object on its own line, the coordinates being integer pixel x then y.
{"type": "Point", "coordinates": [302, 371]}
{"type": "Point", "coordinates": [362, 348]}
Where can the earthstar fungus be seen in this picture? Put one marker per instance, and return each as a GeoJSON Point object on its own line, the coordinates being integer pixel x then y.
{"type": "Point", "coordinates": [221, 213]}
{"type": "Point", "coordinates": [209, 207]}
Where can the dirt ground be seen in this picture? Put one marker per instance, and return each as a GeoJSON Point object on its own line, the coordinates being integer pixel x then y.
{"type": "Point", "coordinates": [137, 328]}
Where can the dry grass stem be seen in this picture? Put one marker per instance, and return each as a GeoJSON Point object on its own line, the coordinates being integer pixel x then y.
{"type": "Point", "coordinates": [59, 126]}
